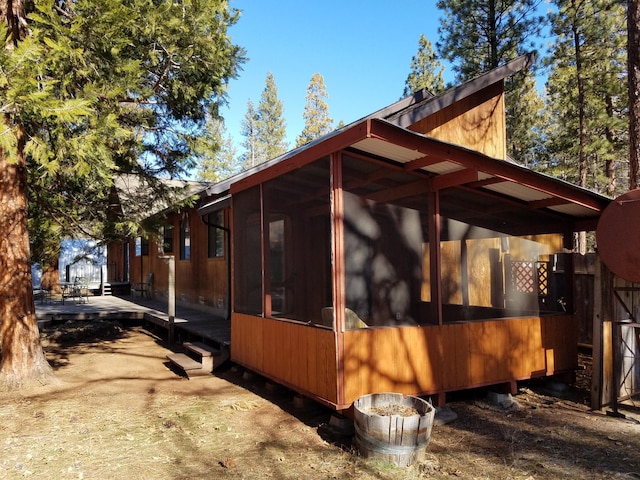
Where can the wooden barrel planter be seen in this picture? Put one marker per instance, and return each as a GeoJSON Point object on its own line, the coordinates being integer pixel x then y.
{"type": "Point", "coordinates": [393, 428]}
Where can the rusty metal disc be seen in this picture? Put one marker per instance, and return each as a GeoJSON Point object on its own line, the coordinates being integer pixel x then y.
{"type": "Point", "coordinates": [618, 236]}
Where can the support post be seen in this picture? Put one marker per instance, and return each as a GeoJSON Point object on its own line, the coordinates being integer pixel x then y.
{"type": "Point", "coordinates": [171, 294]}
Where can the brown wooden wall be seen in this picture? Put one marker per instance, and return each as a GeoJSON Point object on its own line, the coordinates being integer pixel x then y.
{"type": "Point", "coordinates": [410, 360]}
{"type": "Point", "coordinates": [200, 281]}
{"type": "Point", "coordinates": [477, 122]}
{"type": "Point", "coordinates": [292, 354]}
{"type": "Point", "coordinates": [430, 359]}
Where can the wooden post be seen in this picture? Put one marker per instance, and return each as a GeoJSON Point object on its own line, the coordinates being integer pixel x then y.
{"type": "Point", "coordinates": [602, 323]}
{"type": "Point", "coordinates": [435, 260]}
{"type": "Point", "coordinates": [338, 268]}
{"type": "Point", "coordinates": [171, 294]}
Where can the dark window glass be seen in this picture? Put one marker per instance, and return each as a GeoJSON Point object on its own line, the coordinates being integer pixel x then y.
{"type": "Point", "coordinates": [167, 239]}
{"type": "Point", "coordinates": [216, 234]}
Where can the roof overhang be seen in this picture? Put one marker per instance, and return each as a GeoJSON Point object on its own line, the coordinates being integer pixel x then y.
{"type": "Point", "coordinates": [496, 187]}
{"type": "Point", "coordinates": [145, 197]}
{"type": "Point", "coordinates": [213, 205]}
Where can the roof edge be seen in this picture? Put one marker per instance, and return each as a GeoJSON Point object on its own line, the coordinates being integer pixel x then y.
{"type": "Point", "coordinates": [409, 116]}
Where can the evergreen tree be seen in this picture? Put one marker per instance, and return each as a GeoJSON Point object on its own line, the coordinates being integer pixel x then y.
{"type": "Point", "coordinates": [215, 153]}
{"type": "Point", "coordinates": [316, 112]}
{"type": "Point", "coordinates": [633, 55]}
{"type": "Point", "coordinates": [586, 95]}
{"type": "Point", "coordinates": [480, 35]}
{"type": "Point", "coordinates": [426, 70]}
{"type": "Point", "coordinates": [587, 98]}
{"type": "Point", "coordinates": [525, 123]}
{"type": "Point", "coordinates": [254, 153]}
{"type": "Point", "coordinates": [91, 89]}
{"type": "Point", "coordinates": [271, 126]}
{"type": "Point", "coordinates": [264, 130]}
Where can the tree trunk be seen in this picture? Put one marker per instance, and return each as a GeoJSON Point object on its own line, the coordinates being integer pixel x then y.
{"type": "Point", "coordinates": [582, 154]}
{"type": "Point", "coordinates": [633, 59]}
{"type": "Point", "coordinates": [610, 165]}
{"type": "Point", "coordinates": [51, 277]}
{"type": "Point", "coordinates": [23, 361]}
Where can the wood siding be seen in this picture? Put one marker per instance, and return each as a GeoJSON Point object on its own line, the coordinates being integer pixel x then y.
{"type": "Point", "coordinates": [299, 356]}
{"type": "Point", "coordinates": [432, 359]}
{"type": "Point", "coordinates": [477, 122]}
{"type": "Point", "coordinates": [200, 281]}
{"type": "Point", "coordinates": [409, 360]}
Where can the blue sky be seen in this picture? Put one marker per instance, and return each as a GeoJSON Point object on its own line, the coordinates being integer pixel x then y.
{"type": "Point", "coordinates": [363, 49]}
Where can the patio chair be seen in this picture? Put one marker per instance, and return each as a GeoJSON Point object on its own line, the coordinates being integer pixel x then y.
{"type": "Point", "coordinates": [143, 287]}
{"type": "Point", "coordinates": [42, 294]}
{"type": "Point", "coordinates": [78, 290]}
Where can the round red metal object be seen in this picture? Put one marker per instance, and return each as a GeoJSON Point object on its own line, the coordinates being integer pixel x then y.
{"type": "Point", "coordinates": [618, 236]}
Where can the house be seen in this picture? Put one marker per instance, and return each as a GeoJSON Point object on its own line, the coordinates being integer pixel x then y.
{"type": "Point", "coordinates": [402, 253]}
{"type": "Point", "coordinates": [202, 281]}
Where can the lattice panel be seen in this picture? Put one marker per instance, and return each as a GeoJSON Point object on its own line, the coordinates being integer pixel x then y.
{"type": "Point", "coordinates": [524, 277]}
{"type": "Point", "coordinates": [543, 279]}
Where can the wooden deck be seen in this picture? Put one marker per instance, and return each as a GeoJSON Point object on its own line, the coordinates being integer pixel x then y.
{"type": "Point", "coordinates": [195, 323]}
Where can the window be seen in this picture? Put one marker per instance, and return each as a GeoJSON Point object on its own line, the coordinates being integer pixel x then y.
{"type": "Point", "coordinates": [215, 240]}
{"type": "Point", "coordinates": [185, 238]}
{"type": "Point", "coordinates": [167, 239]}
{"type": "Point", "coordinates": [142, 246]}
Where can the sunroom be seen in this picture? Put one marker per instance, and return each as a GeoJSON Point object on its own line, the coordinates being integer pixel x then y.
{"type": "Point", "coordinates": [380, 259]}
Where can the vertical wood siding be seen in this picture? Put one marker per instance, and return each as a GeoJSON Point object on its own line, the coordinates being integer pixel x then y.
{"type": "Point", "coordinates": [199, 280]}
{"type": "Point", "coordinates": [430, 359]}
{"type": "Point", "coordinates": [409, 360]}
{"type": "Point", "coordinates": [295, 355]}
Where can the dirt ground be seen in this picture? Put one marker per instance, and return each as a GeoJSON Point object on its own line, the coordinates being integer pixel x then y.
{"type": "Point", "coordinates": [119, 412]}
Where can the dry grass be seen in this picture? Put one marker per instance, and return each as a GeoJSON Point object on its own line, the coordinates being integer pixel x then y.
{"type": "Point", "coordinates": [121, 413]}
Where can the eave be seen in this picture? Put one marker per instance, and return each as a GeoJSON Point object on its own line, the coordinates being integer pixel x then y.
{"type": "Point", "coordinates": [512, 198]}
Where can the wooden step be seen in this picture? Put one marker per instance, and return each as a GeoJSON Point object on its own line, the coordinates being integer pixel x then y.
{"type": "Point", "coordinates": [185, 362]}
{"type": "Point", "coordinates": [211, 357]}
{"type": "Point", "coordinates": [200, 348]}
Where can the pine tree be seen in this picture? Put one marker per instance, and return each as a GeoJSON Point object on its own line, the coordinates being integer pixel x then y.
{"type": "Point", "coordinates": [91, 89]}
{"type": "Point", "coordinates": [586, 95]}
{"type": "Point", "coordinates": [480, 35]}
{"type": "Point", "coordinates": [633, 87]}
{"type": "Point", "coordinates": [316, 112]}
{"type": "Point", "coordinates": [253, 153]}
{"type": "Point", "coordinates": [271, 126]}
{"type": "Point", "coordinates": [215, 153]}
{"type": "Point", "coordinates": [426, 70]}
{"type": "Point", "coordinates": [525, 122]}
